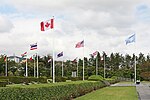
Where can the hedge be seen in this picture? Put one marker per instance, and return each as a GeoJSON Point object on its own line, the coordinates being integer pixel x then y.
{"type": "Point", "coordinates": [58, 92]}
{"type": "Point", "coordinates": [95, 78]}
{"type": "Point", "coordinates": [17, 79]}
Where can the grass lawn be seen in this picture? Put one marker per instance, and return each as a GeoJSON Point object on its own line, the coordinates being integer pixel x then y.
{"type": "Point", "coordinates": [112, 93]}
{"type": "Point", "coordinates": [124, 82]}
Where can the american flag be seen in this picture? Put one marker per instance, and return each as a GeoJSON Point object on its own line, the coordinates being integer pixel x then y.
{"type": "Point", "coordinates": [80, 44]}
{"type": "Point", "coordinates": [33, 46]}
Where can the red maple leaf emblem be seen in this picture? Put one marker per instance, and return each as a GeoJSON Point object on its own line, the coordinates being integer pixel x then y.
{"type": "Point", "coordinates": [47, 24]}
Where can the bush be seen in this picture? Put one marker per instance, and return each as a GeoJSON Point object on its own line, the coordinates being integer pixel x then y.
{"type": "Point", "coordinates": [3, 82]}
{"type": "Point", "coordinates": [57, 92]}
{"type": "Point", "coordinates": [18, 80]}
{"type": "Point", "coordinates": [95, 78]}
{"type": "Point", "coordinates": [114, 77]}
{"type": "Point", "coordinates": [60, 79]}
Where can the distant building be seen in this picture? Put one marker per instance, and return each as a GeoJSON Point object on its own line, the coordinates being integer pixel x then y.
{"type": "Point", "coordinates": [14, 58]}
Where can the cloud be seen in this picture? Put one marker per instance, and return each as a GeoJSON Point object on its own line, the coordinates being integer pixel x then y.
{"type": "Point", "coordinates": [103, 24]}
{"type": "Point", "coordinates": [6, 25]}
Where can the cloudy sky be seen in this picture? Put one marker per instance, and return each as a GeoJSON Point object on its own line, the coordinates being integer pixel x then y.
{"type": "Point", "coordinates": [103, 24]}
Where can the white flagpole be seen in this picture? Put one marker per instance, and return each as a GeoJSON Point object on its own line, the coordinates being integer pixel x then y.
{"type": "Point", "coordinates": [26, 67]}
{"type": "Point", "coordinates": [62, 69]}
{"type": "Point", "coordinates": [83, 61]}
{"type": "Point", "coordinates": [6, 66]}
{"type": "Point", "coordinates": [135, 69]}
{"type": "Point", "coordinates": [37, 66]}
{"type": "Point", "coordinates": [34, 66]}
{"type": "Point", "coordinates": [135, 64]}
{"type": "Point", "coordinates": [77, 67]}
{"type": "Point", "coordinates": [53, 62]}
{"type": "Point", "coordinates": [51, 67]}
{"type": "Point", "coordinates": [104, 65]}
{"type": "Point", "coordinates": [96, 66]}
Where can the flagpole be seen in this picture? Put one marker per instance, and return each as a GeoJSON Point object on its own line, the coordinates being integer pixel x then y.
{"type": "Point", "coordinates": [135, 69]}
{"type": "Point", "coordinates": [51, 67]}
{"type": "Point", "coordinates": [83, 58]}
{"type": "Point", "coordinates": [104, 65]}
{"type": "Point", "coordinates": [26, 68]}
{"type": "Point", "coordinates": [135, 64]}
{"type": "Point", "coordinates": [96, 66]}
{"type": "Point", "coordinates": [53, 62]}
{"type": "Point", "coordinates": [77, 67]}
{"type": "Point", "coordinates": [62, 68]}
{"type": "Point", "coordinates": [37, 66]}
{"type": "Point", "coordinates": [34, 66]}
{"type": "Point", "coordinates": [6, 66]}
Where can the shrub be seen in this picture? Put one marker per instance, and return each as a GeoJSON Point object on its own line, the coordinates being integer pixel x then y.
{"type": "Point", "coordinates": [56, 92]}
{"type": "Point", "coordinates": [3, 82]}
{"type": "Point", "coordinates": [17, 79]}
{"type": "Point", "coordinates": [60, 79]}
{"type": "Point", "coordinates": [95, 78]}
{"type": "Point", "coordinates": [114, 77]}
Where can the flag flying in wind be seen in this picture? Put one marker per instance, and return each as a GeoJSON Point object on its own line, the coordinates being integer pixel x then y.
{"type": "Point", "coordinates": [5, 58]}
{"type": "Point", "coordinates": [33, 46]}
{"type": "Point", "coordinates": [75, 60]}
{"type": "Point", "coordinates": [49, 24]}
{"type": "Point", "coordinates": [80, 44]}
{"type": "Point", "coordinates": [31, 58]}
{"type": "Point", "coordinates": [94, 53]}
{"type": "Point", "coordinates": [60, 54]}
{"type": "Point", "coordinates": [130, 39]}
{"type": "Point", "coordinates": [49, 60]}
{"type": "Point", "coordinates": [24, 54]}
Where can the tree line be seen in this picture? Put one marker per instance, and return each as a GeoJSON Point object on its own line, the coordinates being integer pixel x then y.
{"type": "Point", "coordinates": [116, 64]}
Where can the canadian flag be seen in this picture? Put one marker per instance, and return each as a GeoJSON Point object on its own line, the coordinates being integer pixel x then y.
{"type": "Point", "coordinates": [49, 24]}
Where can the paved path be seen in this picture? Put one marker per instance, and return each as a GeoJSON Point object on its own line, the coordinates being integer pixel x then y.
{"type": "Point", "coordinates": [143, 89]}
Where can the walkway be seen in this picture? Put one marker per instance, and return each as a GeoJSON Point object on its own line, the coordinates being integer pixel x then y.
{"type": "Point", "coordinates": [143, 90]}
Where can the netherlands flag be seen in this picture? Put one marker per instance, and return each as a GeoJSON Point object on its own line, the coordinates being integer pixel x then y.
{"type": "Point", "coordinates": [33, 46]}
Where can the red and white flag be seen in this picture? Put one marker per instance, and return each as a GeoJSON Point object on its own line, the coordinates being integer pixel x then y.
{"type": "Point", "coordinates": [45, 25]}
{"type": "Point", "coordinates": [5, 58]}
{"type": "Point", "coordinates": [31, 58]}
{"type": "Point", "coordinates": [24, 54]}
{"type": "Point", "coordinates": [94, 53]}
{"type": "Point", "coordinates": [80, 44]}
{"type": "Point", "coordinates": [75, 60]}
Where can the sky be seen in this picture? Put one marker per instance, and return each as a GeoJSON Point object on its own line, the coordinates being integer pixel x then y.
{"type": "Point", "coordinates": [103, 24]}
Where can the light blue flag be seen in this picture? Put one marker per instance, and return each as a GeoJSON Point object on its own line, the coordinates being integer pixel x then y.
{"type": "Point", "coordinates": [130, 39]}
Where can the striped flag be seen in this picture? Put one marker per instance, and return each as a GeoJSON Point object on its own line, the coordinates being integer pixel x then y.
{"type": "Point", "coordinates": [80, 44]}
{"type": "Point", "coordinates": [24, 54]}
{"type": "Point", "coordinates": [33, 46]}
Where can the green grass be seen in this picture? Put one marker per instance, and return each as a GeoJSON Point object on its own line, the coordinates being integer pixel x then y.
{"type": "Point", "coordinates": [124, 82]}
{"type": "Point", "coordinates": [112, 93]}
{"type": "Point", "coordinates": [46, 84]}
